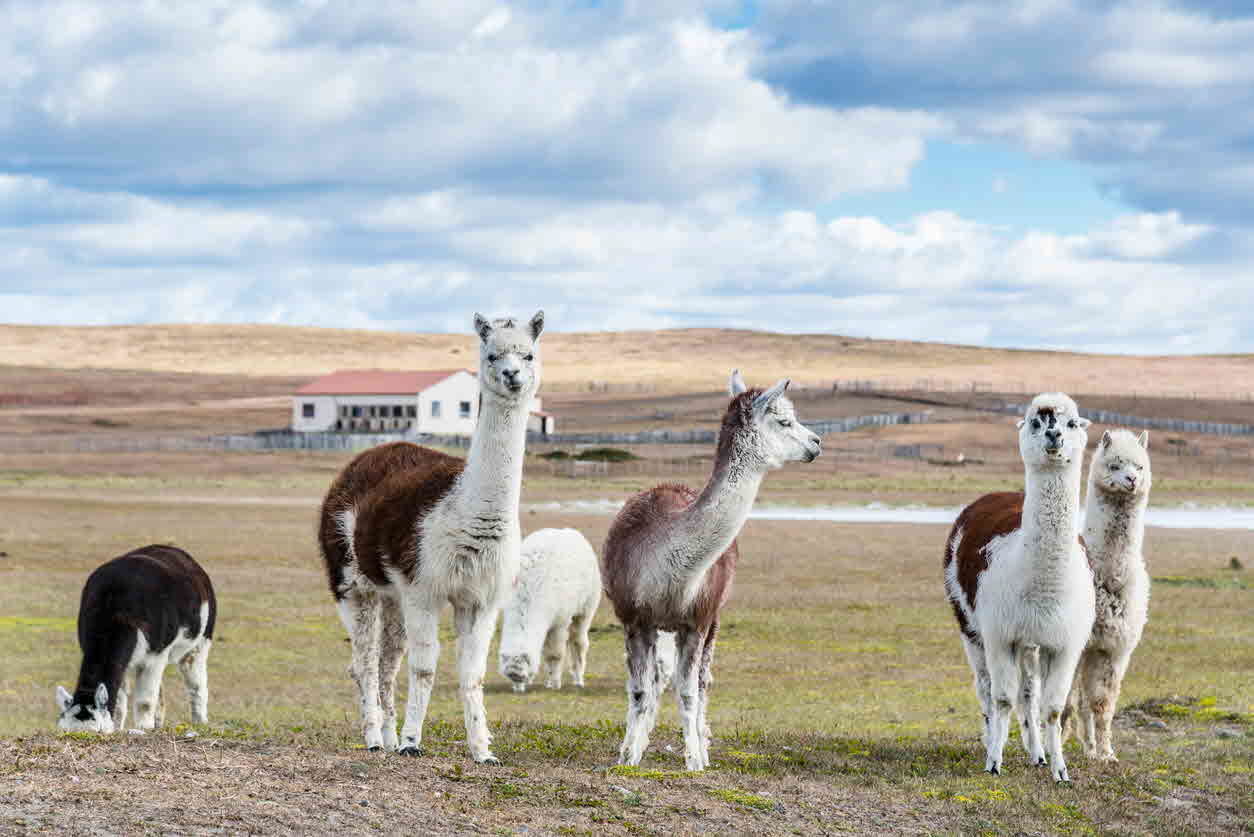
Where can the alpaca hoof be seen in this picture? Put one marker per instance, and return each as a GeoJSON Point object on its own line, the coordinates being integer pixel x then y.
{"type": "Point", "coordinates": [1061, 777]}
{"type": "Point", "coordinates": [1109, 758]}
{"type": "Point", "coordinates": [136, 732]}
{"type": "Point", "coordinates": [410, 750]}
{"type": "Point", "coordinates": [375, 749]}
{"type": "Point", "coordinates": [1041, 762]}
{"type": "Point", "coordinates": [490, 760]}
{"type": "Point", "coordinates": [993, 769]}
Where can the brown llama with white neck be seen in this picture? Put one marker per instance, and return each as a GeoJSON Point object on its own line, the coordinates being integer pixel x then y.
{"type": "Point", "coordinates": [671, 554]}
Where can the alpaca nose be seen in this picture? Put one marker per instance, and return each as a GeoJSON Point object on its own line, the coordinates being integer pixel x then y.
{"type": "Point", "coordinates": [511, 378]}
{"type": "Point", "coordinates": [1053, 438]}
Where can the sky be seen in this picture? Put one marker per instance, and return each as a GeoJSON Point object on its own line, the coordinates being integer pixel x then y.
{"type": "Point", "coordinates": [1044, 173]}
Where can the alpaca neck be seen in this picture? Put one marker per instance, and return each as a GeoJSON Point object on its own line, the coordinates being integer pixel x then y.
{"type": "Point", "coordinates": [1050, 504]}
{"type": "Point", "coordinates": [492, 478]}
{"type": "Point", "coordinates": [705, 530]}
{"type": "Point", "coordinates": [1114, 528]}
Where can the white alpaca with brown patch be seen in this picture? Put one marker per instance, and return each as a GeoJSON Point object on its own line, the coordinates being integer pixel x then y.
{"type": "Point", "coordinates": [547, 618]}
{"type": "Point", "coordinates": [1020, 585]}
{"type": "Point", "coordinates": [1114, 531]}
{"type": "Point", "coordinates": [406, 530]}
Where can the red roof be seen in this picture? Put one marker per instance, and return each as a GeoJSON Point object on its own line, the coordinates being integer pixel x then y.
{"type": "Point", "coordinates": [376, 382]}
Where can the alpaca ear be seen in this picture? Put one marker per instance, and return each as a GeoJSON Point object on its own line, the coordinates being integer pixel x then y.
{"type": "Point", "coordinates": [482, 327]}
{"type": "Point", "coordinates": [1106, 439]}
{"type": "Point", "coordinates": [1144, 439]}
{"type": "Point", "coordinates": [537, 325]}
{"type": "Point", "coordinates": [764, 401]}
{"type": "Point", "coordinates": [1019, 423]}
{"type": "Point", "coordinates": [64, 699]}
{"type": "Point", "coordinates": [737, 384]}
{"type": "Point", "coordinates": [102, 697]}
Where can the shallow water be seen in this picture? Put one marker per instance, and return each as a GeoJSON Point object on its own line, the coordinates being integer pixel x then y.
{"type": "Point", "coordinates": [1176, 517]}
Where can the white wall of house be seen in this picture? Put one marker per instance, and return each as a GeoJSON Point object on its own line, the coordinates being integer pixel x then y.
{"type": "Point", "coordinates": [457, 397]}
{"type": "Point", "coordinates": [323, 408]}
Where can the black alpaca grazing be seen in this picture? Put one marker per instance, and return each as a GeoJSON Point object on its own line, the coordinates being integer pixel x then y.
{"type": "Point", "coordinates": [139, 613]}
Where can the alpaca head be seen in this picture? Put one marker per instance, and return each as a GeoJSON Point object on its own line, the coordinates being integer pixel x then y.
{"type": "Point", "coordinates": [519, 669]}
{"type": "Point", "coordinates": [1121, 464]}
{"type": "Point", "coordinates": [509, 357]}
{"type": "Point", "coordinates": [761, 427]}
{"type": "Point", "coordinates": [91, 716]}
{"type": "Point", "coordinates": [1051, 433]}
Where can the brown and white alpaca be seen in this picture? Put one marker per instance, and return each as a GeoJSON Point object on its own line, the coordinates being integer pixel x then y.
{"type": "Point", "coordinates": [1020, 585]}
{"type": "Point", "coordinates": [1114, 530]}
{"type": "Point", "coordinates": [670, 556]}
{"type": "Point", "coordinates": [405, 529]}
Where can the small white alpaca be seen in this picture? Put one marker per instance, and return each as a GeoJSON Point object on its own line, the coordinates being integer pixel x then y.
{"type": "Point", "coordinates": [139, 613]}
{"type": "Point", "coordinates": [555, 597]}
{"type": "Point", "coordinates": [1114, 529]}
{"type": "Point", "coordinates": [1021, 588]}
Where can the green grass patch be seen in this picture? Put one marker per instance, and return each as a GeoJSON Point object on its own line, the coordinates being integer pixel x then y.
{"type": "Point", "coordinates": [636, 772]}
{"type": "Point", "coordinates": [744, 798]}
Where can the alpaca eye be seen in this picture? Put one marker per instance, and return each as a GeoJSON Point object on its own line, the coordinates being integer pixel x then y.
{"type": "Point", "coordinates": [1114, 466]}
{"type": "Point", "coordinates": [1071, 425]}
{"type": "Point", "coordinates": [1036, 424]}
{"type": "Point", "coordinates": [785, 423]}
{"type": "Point", "coordinates": [529, 358]}
{"type": "Point", "coordinates": [491, 358]}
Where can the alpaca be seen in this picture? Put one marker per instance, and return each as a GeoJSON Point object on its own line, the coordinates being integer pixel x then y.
{"type": "Point", "coordinates": [405, 529]}
{"type": "Point", "coordinates": [1019, 582]}
{"type": "Point", "coordinates": [554, 600]}
{"type": "Point", "coordinates": [670, 556]}
{"type": "Point", "coordinates": [1114, 528]}
{"type": "Point", "coordinates": [139, 612]}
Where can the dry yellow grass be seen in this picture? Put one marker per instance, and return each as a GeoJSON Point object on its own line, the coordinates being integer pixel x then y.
{"type": "Point", "coordinates": [668, 361]}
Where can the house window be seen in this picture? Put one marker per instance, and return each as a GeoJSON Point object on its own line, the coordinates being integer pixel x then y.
{"type": "Point", "coordinates": [411, 411]}
{"type": "Point", "coordinates": [356, 413]}
{"type": "Point", "coordinates": [398, 411]}
{"type": "Point", "coordinates": [463, 409]}
{"type": "Point", "coordinates": [435, 409]}
{"type": "Point", "coordinates": [307, 410]}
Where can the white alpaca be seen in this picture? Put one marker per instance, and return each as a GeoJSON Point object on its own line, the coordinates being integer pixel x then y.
{"type": "Point", "coordinates": [406, 529]}
{"type": "Point", "coordinates": [1114, 529]}
{"type": "Point", "coordinates": [1020, 585]}
{"type": "Point", "coordinates": [554, 600]}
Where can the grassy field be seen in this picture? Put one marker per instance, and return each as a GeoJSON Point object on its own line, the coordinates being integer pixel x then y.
{"type": "Point", "coordinates": [841, 704]}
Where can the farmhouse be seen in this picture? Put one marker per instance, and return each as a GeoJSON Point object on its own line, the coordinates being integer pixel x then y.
{"type": "Point", "coordinates": [442, 401]}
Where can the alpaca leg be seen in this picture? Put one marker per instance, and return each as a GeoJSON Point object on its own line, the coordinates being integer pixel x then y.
{"type": "Point", "coordinates": [391, 652]}
{"type": "Point", "coordinates": [160, 710]}
{"type": "Point", "coordinates": [1003, 670]}
{"type": "Point", "coordinates": [554, 654]}
{"type": "Point", "coordinates": [422, 644]}
{"type": "Point", "coordinates": [705, 677]}
{"type": "Point", "coordinates": [119, 706]}
{"type": "Point", "coordinates": [1083, 688]}
{"type": "Point", "coordinates": [148, 692]}
{"type": "Point", "coordinates": [688, 694]}
{"type": "Point", "coordinates": [195, 670]}
{"type": "Point", "coordinates": [577, 647]}
{"type": "Point", "coordinates": [1102, 686]}
{"type": "Point", "coordinates": [1029, 707]}
{"type": "Point", "coordinates": [983, 685]}
{"type": "Point", "coordinates": [1057, 671]}
{"type": "Point", "coordinates": [359, 611]}
{"type": "Point", "coordinates": [475, 626]}
{"type": "Point", "coordinates": [642, 692]}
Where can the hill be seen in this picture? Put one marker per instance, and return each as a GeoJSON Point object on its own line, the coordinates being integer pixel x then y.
{"type": "Point", "coordinates": [655, 361]}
